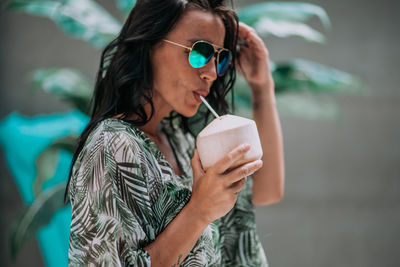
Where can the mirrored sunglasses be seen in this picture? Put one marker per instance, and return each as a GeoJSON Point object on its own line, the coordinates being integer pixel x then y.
{"type": "Point", "coordinates": [202, 52]}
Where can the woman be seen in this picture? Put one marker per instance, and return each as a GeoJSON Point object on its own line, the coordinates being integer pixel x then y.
{"type": "Point", "coordinates": [138, 191]}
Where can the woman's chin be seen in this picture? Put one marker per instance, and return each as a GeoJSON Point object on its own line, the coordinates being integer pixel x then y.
{"type": "Point", "coordinates": [189, 112]}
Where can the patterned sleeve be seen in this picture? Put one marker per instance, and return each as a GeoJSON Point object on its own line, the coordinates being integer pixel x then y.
{"type": "Point", "coordinates": [110, 207]}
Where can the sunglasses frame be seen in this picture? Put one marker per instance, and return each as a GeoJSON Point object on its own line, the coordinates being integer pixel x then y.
{"type": "Point", "coordinates": [215, 54]}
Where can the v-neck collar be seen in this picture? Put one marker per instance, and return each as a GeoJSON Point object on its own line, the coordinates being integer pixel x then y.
{"type": "Point", "coordinates": [173, 142]}
{"type": "Point", "coordinates": [170, 134]}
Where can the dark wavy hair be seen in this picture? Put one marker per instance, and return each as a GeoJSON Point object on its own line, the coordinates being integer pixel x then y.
{"type": "Point", "coordinates": [124, 82]}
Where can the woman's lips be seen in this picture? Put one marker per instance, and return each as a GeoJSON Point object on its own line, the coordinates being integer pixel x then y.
{"type": "Point", "coordinates": [197, 97]}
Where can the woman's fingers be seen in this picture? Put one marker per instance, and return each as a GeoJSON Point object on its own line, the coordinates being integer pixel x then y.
{"type": "Point", "coordinates": [242, 171]}
{"type": "Point", "coordinates": [245, 30]}
{"type": "Point", "coordinates": [197, 167]}
{"type": "Point", "coordinates": [242, 30]}
{"type": "Point", "coordinates": [237, 186]}
{"type": "Point", "coordinates": [251, 37]}
{"type": "Point", "coordinates": [237, 153]}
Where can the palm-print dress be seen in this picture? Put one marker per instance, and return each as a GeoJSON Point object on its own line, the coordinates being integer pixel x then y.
{"type": "Point", "coordinates": [123, 194]}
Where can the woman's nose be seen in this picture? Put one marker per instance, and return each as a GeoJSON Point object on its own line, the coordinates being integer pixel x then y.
{"type": "Point", "coordinates": [209, 71]}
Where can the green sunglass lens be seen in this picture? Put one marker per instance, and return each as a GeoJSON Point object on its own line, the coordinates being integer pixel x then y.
{"type": "Point", "coordinates": [223, 62]}
{"type": "Point", "coordinates": [200, 55]}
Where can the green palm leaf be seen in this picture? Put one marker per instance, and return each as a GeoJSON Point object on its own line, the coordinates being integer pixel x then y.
{"type": "Point", "coordinates": [303, 105]}
{"type": "Point", "coordinates": [303, 75]}
{"type": "Point", "coordinates": [284, 19]}
{"type": "Point", "coordinates": [66, 84]}
{"type": "Point", "coordinates": [291, 11]}
{"type": "Point", "coordinates": [297, 80]}
{"type": "Point", "coordinates": [47, 162]}
{"type": "Point", "coordinates": [36, 216]}
{"type": "Point", "coordinates": [82, 19]}
{"type": "Point", "coordinates": [284, 28]}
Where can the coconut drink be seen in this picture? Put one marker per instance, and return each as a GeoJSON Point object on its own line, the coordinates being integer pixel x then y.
{"type": "Point", "coordinates": [225, 133]}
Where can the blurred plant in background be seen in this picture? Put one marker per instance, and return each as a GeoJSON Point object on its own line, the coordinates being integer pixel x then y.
{"type": "Point", "coordinates": [39, 150]}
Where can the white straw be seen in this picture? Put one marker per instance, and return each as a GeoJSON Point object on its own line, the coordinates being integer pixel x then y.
{"type": "Point", "coordinates": [209, 107]}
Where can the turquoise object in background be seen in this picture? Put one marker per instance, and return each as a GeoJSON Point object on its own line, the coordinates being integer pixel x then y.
{"type": "Point", "coordinates": [23, 139]}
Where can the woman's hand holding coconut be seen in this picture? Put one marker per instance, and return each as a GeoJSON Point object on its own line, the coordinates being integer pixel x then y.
{"type": "Point", "coordinates": [215, 190]}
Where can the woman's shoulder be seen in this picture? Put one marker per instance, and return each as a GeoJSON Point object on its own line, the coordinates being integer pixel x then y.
{"type": "Point", "coordinates": [113, 126]}
{"type": "Point", "coordinates": [112, 130]}
{"type": "Point", "coordinates": [111, 136]}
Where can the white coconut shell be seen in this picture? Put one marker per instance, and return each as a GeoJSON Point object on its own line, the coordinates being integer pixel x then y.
{"type": "Point", "coordinates": [224, 134]}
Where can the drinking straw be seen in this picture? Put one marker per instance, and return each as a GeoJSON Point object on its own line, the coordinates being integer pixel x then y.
{"type": "Point", "coordinates": [209, 107]}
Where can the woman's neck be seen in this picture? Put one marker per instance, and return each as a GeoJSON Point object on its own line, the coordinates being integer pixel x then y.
{"type": "Point", "coordinates": [161, 109]}
{"type": "Point", "coordinates": [153, 127]}
{"type": "Point", "coordinates": [148, 129]}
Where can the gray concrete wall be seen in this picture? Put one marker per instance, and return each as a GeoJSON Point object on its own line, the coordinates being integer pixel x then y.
{"type": "Point", "coordinates": [342, 189]}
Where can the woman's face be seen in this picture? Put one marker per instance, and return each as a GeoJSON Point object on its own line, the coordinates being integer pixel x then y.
{"type": "Point", "coordinates": [175, 80]}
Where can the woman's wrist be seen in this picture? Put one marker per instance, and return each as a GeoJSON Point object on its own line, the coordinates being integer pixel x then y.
{"type": "Point", "coordinates": [195, 213]}
{"type": "Point", "coordinates": [263, 96]}
{"type": "Point", "coordinates": [174, 243]}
